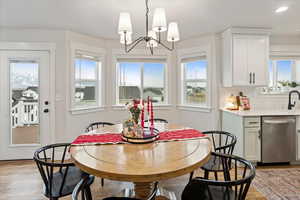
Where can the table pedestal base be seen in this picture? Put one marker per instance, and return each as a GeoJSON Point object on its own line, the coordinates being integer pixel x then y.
{"type": "Point", "coordinates": [143, 190]}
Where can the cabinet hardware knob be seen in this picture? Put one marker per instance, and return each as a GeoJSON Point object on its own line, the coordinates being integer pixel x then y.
{"type": "Point", "coordinates": [46, 110]}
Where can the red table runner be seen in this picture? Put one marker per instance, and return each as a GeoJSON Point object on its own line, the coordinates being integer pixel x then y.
{"type": "Point", "coordinates": [115, 138]}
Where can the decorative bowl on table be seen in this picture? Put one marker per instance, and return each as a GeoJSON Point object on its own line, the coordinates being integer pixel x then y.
{"type": "Point", "coordinates": [134, 133]}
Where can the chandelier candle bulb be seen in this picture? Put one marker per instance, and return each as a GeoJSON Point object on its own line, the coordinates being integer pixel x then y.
{"type": "Point", "coordinates": [159, 20]}
{"type": "Point", "coordinates": [173, 33]}
{"type": "Point", "coordinates": [125, 23]}
{"type": "Point", "coordinates": [152, 43]}
{"type": "Point", "coordinates": [128, 38]}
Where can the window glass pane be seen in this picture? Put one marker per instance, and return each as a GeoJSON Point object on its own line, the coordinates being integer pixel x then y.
{"type": "Point", "coordinates": [196, 70]}
{"type": "Point", "coordinates": [154, 81]}
{"type": "Point", "coordinates": [85, 93]}
{"type": "Point", "coordinates": [85, 69]}
{"type": "Point", "coordinates": [284, 71]}
{"type": "Point", "coordinates": [196, 92]}
{"type": "Point", "coordinates": [129, 81]}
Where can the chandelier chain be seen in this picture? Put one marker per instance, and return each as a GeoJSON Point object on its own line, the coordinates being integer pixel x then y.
{"type": "Point", "coordinates": [147, 16]}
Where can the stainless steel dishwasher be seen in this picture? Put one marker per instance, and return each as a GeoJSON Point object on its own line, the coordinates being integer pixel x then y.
{"type": "Point", "coordinates": [278, 139]}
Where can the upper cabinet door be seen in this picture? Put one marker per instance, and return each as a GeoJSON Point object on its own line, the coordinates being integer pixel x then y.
{"type": "Point", "coordinates": [258, 48]}
{"type": "Point", "coordinates": [240, 57]}
{"type": "Point", "coordinates": [245, 57]}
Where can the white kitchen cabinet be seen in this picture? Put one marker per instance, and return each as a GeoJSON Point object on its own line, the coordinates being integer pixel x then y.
{"type": "Point", "coordinates": [252, 147]}
{"type": "Point", "coordinates": [245, 57]}
{"type": "Point", "coordinates": [247, 130]}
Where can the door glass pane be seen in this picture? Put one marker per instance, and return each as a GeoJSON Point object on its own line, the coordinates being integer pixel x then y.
{"type": "Point", "coordinates": [154, 81]}
{"type": "Point", "coordinates": [24, 86]}
{"type": "Point", "coordinates": [195, 93]}
{"type": "Point", "coordinates": [129, 81]}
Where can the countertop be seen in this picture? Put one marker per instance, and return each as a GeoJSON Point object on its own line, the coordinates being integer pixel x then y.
{"type": "Point", "coordinates": [263, 112]}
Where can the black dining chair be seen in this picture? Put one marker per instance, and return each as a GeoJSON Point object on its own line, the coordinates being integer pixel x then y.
{"type": "Point", "coordinates": [59, 173]}
{"type": "Point", "coordinates": [223, 142]}
{"type": "Point", "coordinates": [81, 189]}
{"type": "Point", "coordinates": [158, 120]}
{"type": "Point", "coordinates": [238, 174]}
{"type": "Point", "coordinates": [97, 125]}
{"type": "Point", "coordinates": [94, 126]}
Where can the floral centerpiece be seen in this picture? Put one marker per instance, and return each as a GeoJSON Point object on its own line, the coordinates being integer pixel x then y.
{"type": "Point", "coordinates": [134, 126]}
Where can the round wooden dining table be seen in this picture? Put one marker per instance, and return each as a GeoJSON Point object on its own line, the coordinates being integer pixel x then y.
{"type": "Point", "coordinates": [142, 164]}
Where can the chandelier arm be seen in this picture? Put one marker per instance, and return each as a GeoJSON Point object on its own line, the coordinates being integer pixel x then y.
{"type": "Point", "coordinates": [129, 47]}
{"type": "Point", "coordinates": [151, 49]}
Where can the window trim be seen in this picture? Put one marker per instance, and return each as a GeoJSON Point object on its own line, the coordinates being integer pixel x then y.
{"type": "Point", "coordinates": [140, 54]}
{"type": "Point", "coordinates": [183, 54]}
{"type": "Point", "coordinates": [89, 52]}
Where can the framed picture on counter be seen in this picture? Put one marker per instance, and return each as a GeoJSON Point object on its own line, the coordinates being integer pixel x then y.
{"type": "Point", "coordinates": [245, 103]}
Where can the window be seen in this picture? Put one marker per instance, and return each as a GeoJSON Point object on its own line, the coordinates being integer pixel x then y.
{"type": "Point", "coordinates": [140, 79]}
{"type": "Point", "coordinates": [284, 75]}
{"type": "Point", "coordinates": [195, 84]}
{"type": "Point", "coordinates": [87, 81]}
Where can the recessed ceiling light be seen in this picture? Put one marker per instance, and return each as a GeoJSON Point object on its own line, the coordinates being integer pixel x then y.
{"type": "Point", "coordinates": [281, 9]}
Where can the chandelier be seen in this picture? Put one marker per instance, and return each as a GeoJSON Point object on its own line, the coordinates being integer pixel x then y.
{"type": "Point", "coordinates": [159, 25]}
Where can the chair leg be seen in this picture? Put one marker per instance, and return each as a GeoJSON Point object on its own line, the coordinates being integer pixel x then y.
{"type": "Point", "coordinates": [88, 193]}
{"type": "Point", "coordinates": [191, 176]}
{"type": "Point", "coordinates": [102, 182]}
{"type": "Point", "coordinates": [206, 174]}
{"type": "Point", "coordinates": [216, 176]}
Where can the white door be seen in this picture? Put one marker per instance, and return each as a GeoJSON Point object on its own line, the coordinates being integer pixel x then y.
{"type": "Point", "coordinates": [24, 103]}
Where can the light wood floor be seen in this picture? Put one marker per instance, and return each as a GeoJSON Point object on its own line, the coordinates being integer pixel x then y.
{"type": "Point", "coordinates": [20, 180]}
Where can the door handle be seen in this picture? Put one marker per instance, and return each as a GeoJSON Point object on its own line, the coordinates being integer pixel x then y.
{"type": "Point", "coordinates": [279, 121]}
{"type": "Point", "coordinates": [253, 78]}
{"type": "Point", "coordinates": [250, 81]}
{"type": "Point", "coordinates": [46, 110]}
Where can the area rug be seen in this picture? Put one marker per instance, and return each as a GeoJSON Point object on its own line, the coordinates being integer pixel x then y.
{"type": "Point", "coordinates": [278, 184]}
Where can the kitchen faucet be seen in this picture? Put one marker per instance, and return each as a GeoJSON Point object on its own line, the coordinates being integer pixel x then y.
{"type": "Point", "coordinates": [290, 106]}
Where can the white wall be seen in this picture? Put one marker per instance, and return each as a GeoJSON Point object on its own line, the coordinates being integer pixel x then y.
{"type": "Point", "coordinates": [199, 119]}
{"type": "Point", "coordinates": [68, 125]}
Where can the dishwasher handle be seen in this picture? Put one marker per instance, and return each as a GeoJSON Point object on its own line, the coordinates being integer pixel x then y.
{"type": "Point", "coordinates": [278, 121]}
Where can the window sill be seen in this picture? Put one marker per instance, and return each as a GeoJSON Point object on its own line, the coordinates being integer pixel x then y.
{"type": "Point", "coordinates": [194, 108]}
{"type": "Point", "coordinates": [78, 111]}
{"type": "Point", "coordinates": [155, 107]}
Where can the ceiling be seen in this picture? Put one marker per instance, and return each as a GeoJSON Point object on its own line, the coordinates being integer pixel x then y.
{"type": "Point", "coordinates": [195, 17]}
